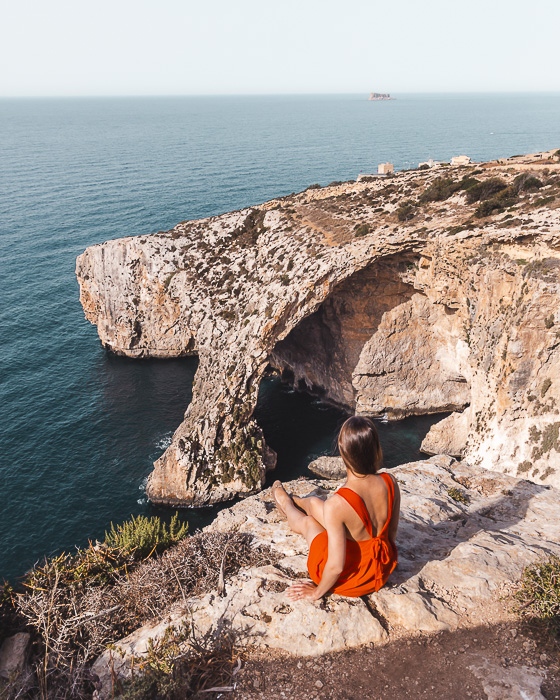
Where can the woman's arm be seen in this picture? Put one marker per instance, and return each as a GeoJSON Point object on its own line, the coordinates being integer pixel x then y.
{"type": "Point", "coordinates": [335, 558]}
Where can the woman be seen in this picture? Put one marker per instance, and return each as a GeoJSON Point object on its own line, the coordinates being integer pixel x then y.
{"type": "Point", "coordinates": [352, 534]}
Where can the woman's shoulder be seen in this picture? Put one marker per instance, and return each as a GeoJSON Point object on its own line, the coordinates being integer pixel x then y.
{"type": "Point", "coordinates": [335, 500]}
{"type": "Point", "coordinates": [389, 478]}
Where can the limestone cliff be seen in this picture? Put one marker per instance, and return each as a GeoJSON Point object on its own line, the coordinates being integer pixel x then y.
{"type": "Point", "coordinates": [419, 293]}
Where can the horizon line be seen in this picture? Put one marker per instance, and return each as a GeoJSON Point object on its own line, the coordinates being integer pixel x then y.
{"type": "Point", "coordinates": [277, 94]}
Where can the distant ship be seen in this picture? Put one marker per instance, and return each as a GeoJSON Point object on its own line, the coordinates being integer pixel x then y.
{"type": "Point", "coordinates": [375, 96]}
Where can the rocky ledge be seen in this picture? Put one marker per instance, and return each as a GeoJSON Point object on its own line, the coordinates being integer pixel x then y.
{"type": "Point", "coordinates": [425, 292]}
{"type": "Point", "coordinates": [465, 536]}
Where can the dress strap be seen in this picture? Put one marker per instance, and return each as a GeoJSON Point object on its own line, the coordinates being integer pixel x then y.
{"type": "Point", "coordinates": [357, 503]}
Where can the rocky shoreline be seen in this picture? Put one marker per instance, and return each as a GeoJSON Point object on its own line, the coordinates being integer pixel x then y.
{"type": "Point", "coordinates": [424, 292]}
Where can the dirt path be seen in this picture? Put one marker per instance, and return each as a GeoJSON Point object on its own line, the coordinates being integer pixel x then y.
{"type": "Point", "coordinates": [479, 663]}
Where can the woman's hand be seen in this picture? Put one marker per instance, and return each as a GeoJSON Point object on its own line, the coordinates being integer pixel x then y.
{"type": "Point", "coordinates": [302, 590]}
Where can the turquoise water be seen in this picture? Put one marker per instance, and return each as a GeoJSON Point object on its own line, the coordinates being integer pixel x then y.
{"type": "Point", "coordinates": [80, 429]}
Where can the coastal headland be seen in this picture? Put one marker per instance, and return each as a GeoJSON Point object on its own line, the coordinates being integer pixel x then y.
{"type": "Point", "coordinates": [428, 291]}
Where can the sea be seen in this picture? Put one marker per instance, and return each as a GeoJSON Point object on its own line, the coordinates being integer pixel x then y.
{"type": "Point", "coordinates": [79, 428]}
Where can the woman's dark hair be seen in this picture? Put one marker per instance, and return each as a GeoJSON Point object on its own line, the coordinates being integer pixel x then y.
{"type": "Point", "coordinates": [359, 446]}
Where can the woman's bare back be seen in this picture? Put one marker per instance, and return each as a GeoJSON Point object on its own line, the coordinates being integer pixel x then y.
{"type": "Point", "coordinates": [374, 493]}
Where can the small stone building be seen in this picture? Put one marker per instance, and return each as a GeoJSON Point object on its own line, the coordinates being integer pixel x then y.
{"type": "Point", "coordinates": [460, 160]}
{"type": "Point", "coordinates": [385, 168]}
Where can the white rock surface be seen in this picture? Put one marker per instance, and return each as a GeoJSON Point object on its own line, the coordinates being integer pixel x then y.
{"type": "Point", "coordinates": [511, 683]}
{"type": "Point", "coordinates": [454, 560]}
{"type": "Point", "coordinates": [449, 436]}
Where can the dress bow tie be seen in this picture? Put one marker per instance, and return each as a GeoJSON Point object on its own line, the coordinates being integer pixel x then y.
{"type": "Point", "coordinates": [380, 550]}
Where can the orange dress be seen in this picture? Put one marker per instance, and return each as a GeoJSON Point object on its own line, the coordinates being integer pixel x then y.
{"type": "Point", "coordinates": [369, 563]}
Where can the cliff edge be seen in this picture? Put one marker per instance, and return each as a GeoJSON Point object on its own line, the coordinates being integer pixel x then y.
{"type": "Point", "coordinates": [465, 536]}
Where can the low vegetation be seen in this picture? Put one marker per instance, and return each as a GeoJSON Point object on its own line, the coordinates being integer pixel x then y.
{"type": "Point", "coordinates": [406, 211]}
{"type": "Point", "coordinates": [444, 187]}
{"type": "Point", "coordinates": [181, 666]}
{"type": "Point", "coordinates": [458, 496]}
{"type": "Point", "coordinates": [538, 596]}
{"type": "Point", "coordinates": [75, 605]}
{"type": "Point", "coordinates": [492, 195]}
{"type": "Point", "coordinates": [361, 230]}
{"type": "Point", "coordinates": [140, 537]}
{"type": "Point", "coordinates": [248, 233]}
{"type": "Point", "coordinates": [441, 189]}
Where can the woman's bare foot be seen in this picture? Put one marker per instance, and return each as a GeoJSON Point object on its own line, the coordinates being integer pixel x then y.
{"type": "Point", "coordinates": [280, 496]}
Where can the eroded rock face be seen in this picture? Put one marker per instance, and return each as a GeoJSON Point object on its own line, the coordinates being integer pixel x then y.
{"type": "Point", "coordinates": [449, 436]}
{"type": "Point", "coordinates": [415, 363]}
{"type": "Point", "coordinates": [391, 318]}
{"type": "Point", "coordinates": [455, 560]}
{"type": "Point", "coordinates": [323, 350]}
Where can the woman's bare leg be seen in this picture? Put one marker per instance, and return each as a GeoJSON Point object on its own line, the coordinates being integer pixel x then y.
{"type": "Point", "coordinates": [313, 506]}
{"type": "Point", "coordinates": [299, 522]}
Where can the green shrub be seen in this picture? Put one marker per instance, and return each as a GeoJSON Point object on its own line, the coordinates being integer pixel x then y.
{"type": "Point", "coordinates": [441, 189]}
{"type": "Point", "coordinates": [489, 207]}
{"type": "Point", "coordinates": [468, 182]}
{"type": "Point", "coordinates": [458, 495]}
{"type": "Point", "coordinates": [495, 205]}
{"type": "Point", "coordinates": [539, 592]}
{"type": "Point", "coordinates": [362, 230]}
{"type": "Point", "coordinates": [406, 211]}
{"type": "Point", "coordinates": [527, 182]}
{"type": "Point", "coordinates": [141, 536]}
{"type": "Point", "coordinates": [541, 201]}
{"type": "Point", "coordinates": [487, 189]}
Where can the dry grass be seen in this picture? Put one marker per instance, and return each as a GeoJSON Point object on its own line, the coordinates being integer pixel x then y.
{"type": "Point", "coordinates": [77, 605]}
{"type": "Point", "coordinates": [180, 666]}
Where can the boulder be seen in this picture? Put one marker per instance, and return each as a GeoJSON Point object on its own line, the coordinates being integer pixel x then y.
{"type": "Point", "coordinates": [13, 654]}
{"type": "Point", "coordinates": [448, 437]}
{"type": "Point", "coordinates": [328, 467]}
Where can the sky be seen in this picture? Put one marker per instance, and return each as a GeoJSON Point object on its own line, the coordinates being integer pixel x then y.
{"type": "Point", "coordinates": [180, 47]}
